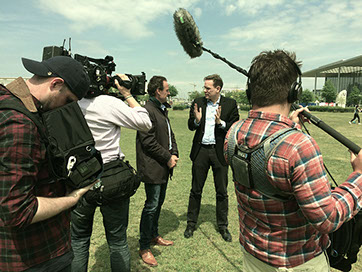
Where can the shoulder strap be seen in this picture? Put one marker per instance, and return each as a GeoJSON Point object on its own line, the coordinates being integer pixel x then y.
{"type": "Point", "coordinates": [276, 138]}
{"type": "Point", "coordinates": [19, 89]}
{"type": "Point", "coordinates": [34, 116]}
{"type": "Point", "coordinates": [249, 164]}
{"type": "Point", "coordinates": [260, 160]}
{"type": "Point", "coordinates": [26, 106]}
{"type": "Point", "coordinates": [232, 141]}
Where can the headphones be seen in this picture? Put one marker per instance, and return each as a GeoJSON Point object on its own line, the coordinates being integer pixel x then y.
{"type": "Point", "coordinates": [294, 91]}
{"type": "Point", "coordinates": [296, 88]}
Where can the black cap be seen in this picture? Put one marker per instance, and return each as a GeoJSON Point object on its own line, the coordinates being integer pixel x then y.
{"type": "Point", "coordinates": [70, 70]}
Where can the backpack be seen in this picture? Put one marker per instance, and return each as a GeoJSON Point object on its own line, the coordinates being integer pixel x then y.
{"type": "Point", "coordinates": [69, 143]}
{"type": "Point", "coordinates": [119, 181]}
{"type": "Point", "coordinates": [248, 163]}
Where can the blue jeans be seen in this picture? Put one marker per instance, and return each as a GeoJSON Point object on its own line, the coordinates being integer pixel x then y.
{"type": "Point", "coordinates": [155, 196]}
{"type": "Point", "coordinates": [115, 222]}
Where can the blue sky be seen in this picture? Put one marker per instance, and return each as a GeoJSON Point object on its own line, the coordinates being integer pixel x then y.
{"type": "Point", "coordinates": [139, 34]}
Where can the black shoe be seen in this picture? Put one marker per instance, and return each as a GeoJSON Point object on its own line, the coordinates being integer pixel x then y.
{"type": "Point", "coordinates": [225, 234]}
{"type": "Point", "coordinates": [189, 232]}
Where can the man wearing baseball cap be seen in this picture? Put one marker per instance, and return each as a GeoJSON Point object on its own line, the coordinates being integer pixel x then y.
{"type": "Point", "coordinates": [34, 212]}
{"type": "Point", "coordinates": [60, 71]}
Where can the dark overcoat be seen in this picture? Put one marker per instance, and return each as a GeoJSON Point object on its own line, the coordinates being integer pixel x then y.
{"type": "Point", "coordinates": [152, 147]}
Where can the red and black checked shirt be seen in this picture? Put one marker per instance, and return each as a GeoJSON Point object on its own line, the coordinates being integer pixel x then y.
{"type": "Point", "coordinates": [287, 234]}
{"type": "Point", "coordinates": [22, 166]}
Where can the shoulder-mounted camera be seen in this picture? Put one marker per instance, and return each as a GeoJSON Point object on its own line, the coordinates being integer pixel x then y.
{"type": "Point", "coordinates": [100, 73]}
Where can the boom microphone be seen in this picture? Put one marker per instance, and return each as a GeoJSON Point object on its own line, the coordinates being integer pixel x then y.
{"type": "Point", "coordinates": [188, 33]}
{"type": "Point", "coordinates": [189, 36]}
{"type": "Point", "coordinates": [335, 134]}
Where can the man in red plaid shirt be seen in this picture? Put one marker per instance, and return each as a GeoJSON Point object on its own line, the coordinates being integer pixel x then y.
{"type": "Point", "coordinates": [34, 213]}
{"type": "Point", "coordinates": [290, 235]}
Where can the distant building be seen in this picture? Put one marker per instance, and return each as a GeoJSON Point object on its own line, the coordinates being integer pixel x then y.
{"type": "Point", "coordinates": [343, 74]}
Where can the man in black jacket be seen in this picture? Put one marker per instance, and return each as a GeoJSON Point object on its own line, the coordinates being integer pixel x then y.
{"type": "Point", "coordinates": [157, 155]}
{"type": "Point", "coordinates": [211, 116]}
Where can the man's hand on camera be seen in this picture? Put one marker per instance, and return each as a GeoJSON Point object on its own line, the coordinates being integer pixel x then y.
{"type": "Point", "coordinates": [125, 92]}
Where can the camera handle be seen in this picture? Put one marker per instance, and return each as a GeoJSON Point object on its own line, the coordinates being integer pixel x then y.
{"type": "Point", "coordinates": [125, 83]}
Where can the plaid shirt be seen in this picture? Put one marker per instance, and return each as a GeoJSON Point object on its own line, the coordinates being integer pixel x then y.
{"type": "Point", "coordinates": [22, 166]}
{"type": "Point", "coordinates": [287, 234]}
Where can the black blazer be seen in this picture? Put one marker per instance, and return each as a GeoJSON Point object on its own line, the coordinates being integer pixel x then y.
{"type": "Point", "coordinates": [229, 114]}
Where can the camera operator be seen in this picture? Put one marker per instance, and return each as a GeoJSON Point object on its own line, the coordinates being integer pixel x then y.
{"type": "Point", "coordinates": [105, 115]}
{"type": "Point", "coordinates": [290, 235]}
{"type": "Point", "coordinates": [34, 215]}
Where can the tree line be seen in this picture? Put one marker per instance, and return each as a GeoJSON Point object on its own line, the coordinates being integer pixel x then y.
{"type": "Point", "coordinates": [328, 94]}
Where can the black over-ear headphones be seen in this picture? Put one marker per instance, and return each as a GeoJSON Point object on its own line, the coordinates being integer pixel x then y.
{"type": "Point", "coordinates": [248, 89]}
{"type": "Point", "coordinates": [296, 88]}
{"type": "Point", "coordinates": [294, 92]}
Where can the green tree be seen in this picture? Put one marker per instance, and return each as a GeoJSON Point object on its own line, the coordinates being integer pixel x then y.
{"type": "Point", "coordinates": [232, 94]}
{"type": "Point", "coordinates": [239, 96]}
{"type": "Point", "coordinates": [195, 94]}
{"type": "Point", "coordinates": [351, 86]}
{"type": "Point", "coordinates": [329, 92]}
{"type": "Point", "coordinates": [243, 98]}
{"type": "Point", "coordinates": [307, 97]}
{"type": "Point", "coordinates": [144, 97]}
{"type": "Point", "coordinates": [173, 91]}
{"type": "Point", "coordinates": [354, 97]}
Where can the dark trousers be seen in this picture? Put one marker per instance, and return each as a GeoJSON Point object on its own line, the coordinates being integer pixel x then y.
{"type": "Point", "coordinates": [356, 116]}
{"type": "Point", "coordinates": [205, 158]}
{"type": "Point", "coordinates": [58, 264]}
{"type": "Point", "coordinates": [115, 222]}
{"type": "Point", "coordinates": [155, 196]}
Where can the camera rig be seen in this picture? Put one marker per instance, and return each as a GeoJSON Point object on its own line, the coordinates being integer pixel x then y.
{"type": "Point", "coordinates": [100, 73]}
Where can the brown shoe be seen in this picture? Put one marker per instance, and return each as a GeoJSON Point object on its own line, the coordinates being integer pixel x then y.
{"type": "Point", "coordinates": [148, 257]}
{"type": "Point", "coordinates": [161, 242]}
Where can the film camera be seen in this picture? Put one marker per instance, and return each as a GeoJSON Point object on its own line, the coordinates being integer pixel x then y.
{"type": "Point", "coordinates": [99, 72]}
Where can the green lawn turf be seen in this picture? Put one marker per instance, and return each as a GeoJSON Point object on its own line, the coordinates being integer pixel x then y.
{"type": "Point", "coordinates": [206, 250]}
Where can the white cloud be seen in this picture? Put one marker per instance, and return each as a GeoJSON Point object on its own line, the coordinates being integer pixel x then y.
{"type": "Point", "coordinates": [197, 12]}
{"type": "Point", "coordinates": [298, 26]}
{"type": "Point", "coordinates": [93, 47]}
{"type": "Point", "coordinates": [128, 17]}
{"type": "Point", "coordinates": [247, 6]}
{"type": "Point", "coordinates": [172, 53]}
{"type": "Point", "coordinates": [230, 9]}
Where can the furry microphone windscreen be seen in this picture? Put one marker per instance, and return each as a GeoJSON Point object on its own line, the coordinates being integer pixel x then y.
{"type": "Point", "coordinates": [187, 32]}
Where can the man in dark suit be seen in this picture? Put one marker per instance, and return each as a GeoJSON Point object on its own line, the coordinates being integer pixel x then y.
{"type": "Point", "coordinates": [211, 116]}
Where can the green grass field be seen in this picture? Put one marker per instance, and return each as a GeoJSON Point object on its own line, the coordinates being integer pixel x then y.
{"type": "Point", "coordinates": [206, 250]}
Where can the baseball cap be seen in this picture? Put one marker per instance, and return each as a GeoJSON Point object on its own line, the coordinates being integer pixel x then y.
{"type": "Point", "coordinates": [67, 68]}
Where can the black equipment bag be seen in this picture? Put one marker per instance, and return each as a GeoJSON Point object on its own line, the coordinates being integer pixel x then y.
{"type": "Point", "coordinates": [345, 244]}
{"type": "Point", "coordinates": [345, 241]}
{"type": "Point", "coordinates": [119, 181]}
{"type": "Point", "coordinates": [69, 142]}
{"type": "Point", "coordinates": [71, 146]}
